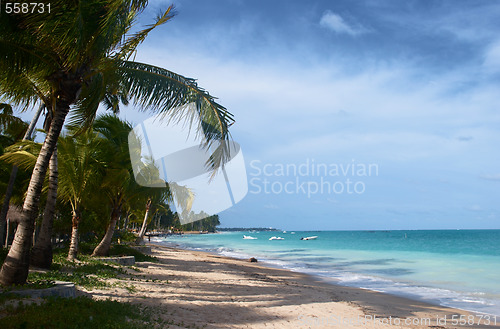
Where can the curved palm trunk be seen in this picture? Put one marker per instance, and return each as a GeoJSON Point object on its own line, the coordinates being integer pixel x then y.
{"type": "Point", "coordinates": [41, 255]}
{"type": "Point", "coordinates": [16, 265]}
{"type": "Point", "coordinates": [103, 248]}
{"type": "Point", "coordinates": [142, 232]}
{"type": "Point", "coordinates": [73, 247]}
{"type": "Point", "coordinates": [13, 175]}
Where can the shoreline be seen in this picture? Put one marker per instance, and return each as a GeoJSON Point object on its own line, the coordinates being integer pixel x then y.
{"type": "Point", "coordinates": [215, 291]}
{"type": "Point", "coordinates": [412, 270]}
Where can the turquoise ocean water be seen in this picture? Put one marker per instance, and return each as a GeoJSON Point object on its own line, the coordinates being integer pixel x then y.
{"type": "Point", "coordinates": [457, 268]}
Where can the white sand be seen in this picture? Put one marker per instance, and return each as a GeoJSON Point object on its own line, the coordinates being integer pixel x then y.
{"type": "Point", "coordinates": [217, 292]}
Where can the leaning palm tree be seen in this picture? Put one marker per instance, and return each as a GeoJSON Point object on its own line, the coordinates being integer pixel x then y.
{"type": "Point", "coordinates": [41, 254]}
{"type": "Point", "coordinates": [118, 186]}
{"type": "Point", "coordinates": [118, 183]}
{"type": "Point", "coordinates": [72, 56]}
{"type": "Point", "coordinates": [6, 121]}
{"type": "Point", "coordinates": [81, 170]}
{"type": "Point", "coordinates": [12, 129]}
{"type": "Point", "coordinates": [150, 173]}
{"type": "Point", "coordinates": [23, 155]}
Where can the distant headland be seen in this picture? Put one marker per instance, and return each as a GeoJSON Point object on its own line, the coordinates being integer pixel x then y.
{"type": "Point", "coordinates": [237, 229]}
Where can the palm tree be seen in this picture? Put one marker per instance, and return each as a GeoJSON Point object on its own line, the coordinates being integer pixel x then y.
{"type": "Point", "coordinates": [12, 129]}
{"type": "Point", "coordinates": [152, 195]}
{"type": "Point", "coordinates": [118, 182]}
{"type": "Point", "coordinates": [41, 254]}
{"type": "Point", "coordinates": [13, 174]}
{"type": "Point", "coordinates": [24, 155]}
{"type": "Point", "coordinates": [73, 56]}
{"type": "Point", "coordinates": [81, 170]}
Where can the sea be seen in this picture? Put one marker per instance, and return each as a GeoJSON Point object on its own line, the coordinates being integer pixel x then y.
{"type": "Point", "coordinates": [455, 268]}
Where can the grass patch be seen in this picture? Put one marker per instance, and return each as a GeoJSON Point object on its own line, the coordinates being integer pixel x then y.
{"type": "Point", "coordinates": [33, 283]}
{"type": "Point", "coordinates": [84, 280]}
{"type": "Point", "coordinates": [89, 273]}
{"type": "Point", "coordinates": [6, 296]}
{"type": "Point", "coordinates": [81, 312]}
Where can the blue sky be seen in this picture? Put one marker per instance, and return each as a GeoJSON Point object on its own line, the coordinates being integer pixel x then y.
{"type": "Point", "coordinates": [411, 86]}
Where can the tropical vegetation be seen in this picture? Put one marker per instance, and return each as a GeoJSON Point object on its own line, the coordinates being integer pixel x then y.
{"type": "Point", "coordinates": [72, 61]}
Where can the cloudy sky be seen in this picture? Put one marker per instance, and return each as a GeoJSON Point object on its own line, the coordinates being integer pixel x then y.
{"type": "Point", "coordinates": [410, 87]}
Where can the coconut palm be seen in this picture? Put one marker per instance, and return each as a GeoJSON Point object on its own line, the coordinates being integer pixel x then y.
{"type": "Point", "coordinates": [24, 154]}
{"type": "Point", "coordinates": [41, 254]}
{"type": "Point", "coordinates": [4, 119]}
{"type": "Point", "coordinates": [73, 56]}
{"type": "Point", "coordinates": [118, 183]}
{"type": "Point", "coordinates": [153, 195]}
{"type": "Point", "coordinates": [12, 129]}
{"type": "Point", "coordinates": [81, 170]}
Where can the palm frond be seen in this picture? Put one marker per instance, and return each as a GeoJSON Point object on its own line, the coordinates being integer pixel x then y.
{"type": "Point", "coordinates": [130, 45]}
{"type": "Point", "coordinates": [23, 154]}
{"type": "Point", "coordinates": [80, 167]}
{"type": "Point", "coordinates": [103, 87]}
{"type": "Point", "coordinates": [163, 91]}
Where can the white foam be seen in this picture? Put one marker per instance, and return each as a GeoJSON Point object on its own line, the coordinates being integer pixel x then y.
{"type": "Point", "coordinates": [473, 301]}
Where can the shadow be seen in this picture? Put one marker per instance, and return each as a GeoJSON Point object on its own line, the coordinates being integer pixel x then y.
{"type": "Point", "coordinates": [221, 292]}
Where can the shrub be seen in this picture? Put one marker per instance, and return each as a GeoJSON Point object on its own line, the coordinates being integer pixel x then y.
{"type": "Point", "coordinates": [81, 312]}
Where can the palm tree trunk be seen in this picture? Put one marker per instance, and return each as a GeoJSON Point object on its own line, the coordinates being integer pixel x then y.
{"type": "Point", "coordinates": [7, 232]}
{"type": "Point", "coordinates": [125, 224]}
{"type": "Point", "coordinates": [41, 255]}
{"type": "Point", "coordinates": [16, 265]}
{"type": "Point", "coordinates": [73, 247]}
{"type": "Point", "coordinates": [142, 232]}
{"type": "Point", "coordinates": [103, 248]}
{"type": "Point", "coordinates": [13, 175]}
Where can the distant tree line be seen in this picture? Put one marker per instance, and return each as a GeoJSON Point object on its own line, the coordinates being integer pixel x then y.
{"type": "Point", "coordinates": [170, 221]}
{"type": "Point", "coordinates": [237, 229]}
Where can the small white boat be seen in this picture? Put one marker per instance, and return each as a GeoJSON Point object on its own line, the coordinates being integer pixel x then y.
{"type": "Point", "coordinates": [276, 238]}
{"type": "Point", "coordinates": [310, 238]}
{"type": "Point", "coordinates": [248, 237]}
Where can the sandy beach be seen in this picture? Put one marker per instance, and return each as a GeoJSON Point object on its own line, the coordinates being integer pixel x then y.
{"type": "Point", "coordinates": [197, 289]}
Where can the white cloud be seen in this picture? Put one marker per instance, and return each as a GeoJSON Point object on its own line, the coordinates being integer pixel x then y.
{"type": "Point", "coordinates": [494, 177]}
{"type": "Point", "coordinates": [474, 208]}
{"type": "Point", "coordinates": [319, 108]}
{"type": "Point", "coordinates": [492, 58]}
{"type": "Point", "coordinates": [336, 23]}
{"type": "Point", "coordinates": [423, 127]}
